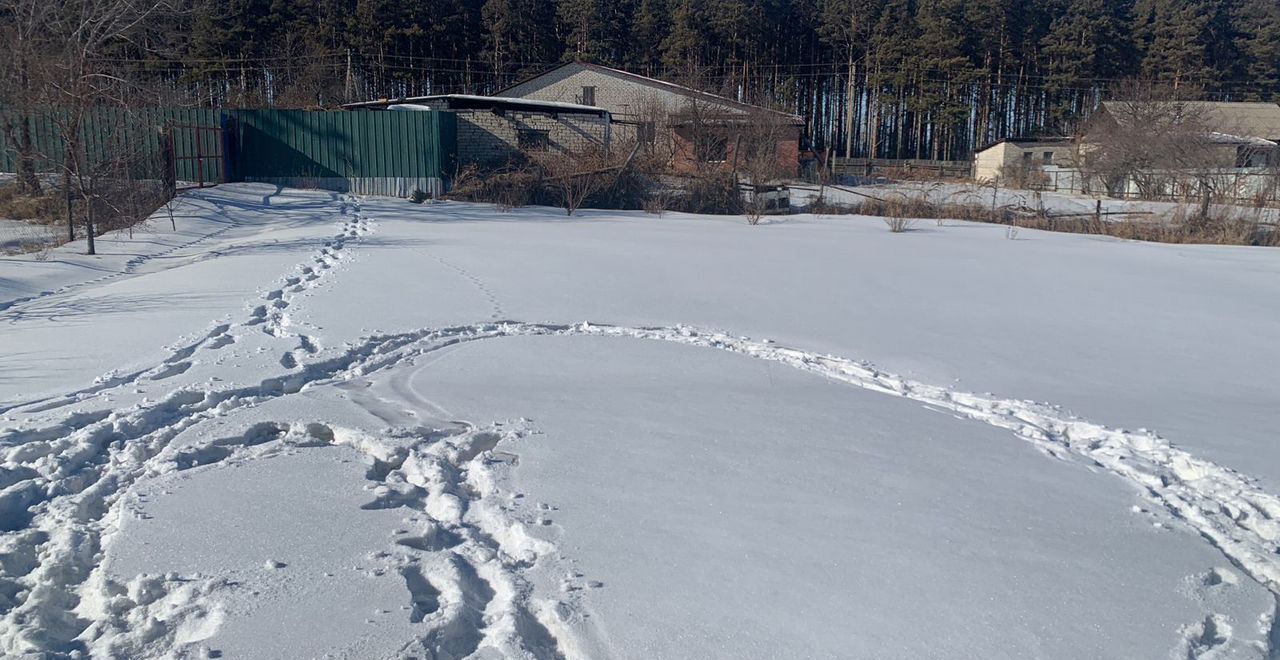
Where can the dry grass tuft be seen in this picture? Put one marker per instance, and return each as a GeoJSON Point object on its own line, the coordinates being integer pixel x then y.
{"type": "Point", "coordinates": [16, 205]}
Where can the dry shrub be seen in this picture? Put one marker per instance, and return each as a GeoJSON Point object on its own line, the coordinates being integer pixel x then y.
{"type": "Point", "coordinates": [902, 206]}
{"type": "Point", "coordinates": [124, 203]}
{"type": "Point", "coordinates": [17, 205]}
{"type": "Point", "coordinates": [659, 200]}
{"type": "Point", "coordinates": [593, 178]}
{"type": "Point", "coordinates": [824, 206]}
{"type": "Point", "coordinates": [898, 224]}
{"type": "Point", "coordinates": [511, 187]}
{"type": "Point", "coordinates": [712, 193]}
{"type": "Point", "coordinates": [1186, 224]}
{"type": "Point", "coordinates": [571, 181]}
{"type": "Point", "coordinates": [1024, 176]}
{"type": "Point", "coordinates": [634, 187]}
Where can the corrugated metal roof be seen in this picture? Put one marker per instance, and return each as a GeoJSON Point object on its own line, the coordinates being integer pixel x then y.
{"type": "Point", "coordinates": [1253, 120]}
{"type": "Point", "coordinates": [682, 90]}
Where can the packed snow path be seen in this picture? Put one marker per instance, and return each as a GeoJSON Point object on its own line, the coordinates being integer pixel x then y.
{"type": "Point", "coordinates": [473, 566]}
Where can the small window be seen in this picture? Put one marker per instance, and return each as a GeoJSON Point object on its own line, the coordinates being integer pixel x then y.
{"type": "Point", "coordinates": [1048, 156]}
{"type": "Point", "coordinates": [711, 148]}
{"type": "Point", "coordinates": [532, 139]}
{"type": "Point", "coordinates": [588, 96]}
{"type": "Point", "coordinates": [1027, 156]}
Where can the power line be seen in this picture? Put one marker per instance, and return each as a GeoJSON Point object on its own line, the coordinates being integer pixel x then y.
{"type": "Point", "coordinates": [799, 70]}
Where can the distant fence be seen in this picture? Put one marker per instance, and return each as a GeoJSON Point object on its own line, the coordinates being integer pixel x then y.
{"type": "Point", "coordinates": [902, 168]}
{"type": "Point", "coordinates": [1250, 186]}
{"type": "Point", "coordinates": [367, 152]}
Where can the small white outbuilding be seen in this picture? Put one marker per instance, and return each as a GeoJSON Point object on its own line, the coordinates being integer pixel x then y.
{"type": "Point", "coordinates": [995, 161]}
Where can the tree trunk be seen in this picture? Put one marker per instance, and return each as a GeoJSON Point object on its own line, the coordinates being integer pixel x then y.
{"type": "Point", "coordinates": [88, 224]}
{"type": "Point", "coordinates": [90, 228]}
{"type": "Point", "coordinates": [849, 109]}
{"type": "Point", "coordinates": [28, 182]}
{"type": "Point", "coordinates": [66, 190]}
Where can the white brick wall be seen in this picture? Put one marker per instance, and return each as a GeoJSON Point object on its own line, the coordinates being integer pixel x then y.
{"type": "Point", "coordinates": [623, 97]}
{"type": "Point", "coordinates": [488, 139]}
{"type": "Point", "coordinates": [628, 100]}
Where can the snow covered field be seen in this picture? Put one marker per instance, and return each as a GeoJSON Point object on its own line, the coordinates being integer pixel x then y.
{"type": "Point", "coordinates": [312, 425]}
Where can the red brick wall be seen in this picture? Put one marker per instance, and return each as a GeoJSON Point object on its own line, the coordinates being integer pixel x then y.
{"type": "Point", "coordinates": [684, 160]}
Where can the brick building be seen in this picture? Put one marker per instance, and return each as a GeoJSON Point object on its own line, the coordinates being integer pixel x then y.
{"type": "Point", "coordinates": [694, 128]}
{"type": "Point", "coordinates": [493, 131]}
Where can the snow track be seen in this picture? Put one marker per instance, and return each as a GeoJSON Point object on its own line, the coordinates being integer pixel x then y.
{"type": "Point", "coordinates": [466, 566]}
{"type": "Point", "coordinates": [69, 475]}
{"type": "Point", "coordinates": [129, 268]}
{"type": "Point", "coordinates": [269, 312]}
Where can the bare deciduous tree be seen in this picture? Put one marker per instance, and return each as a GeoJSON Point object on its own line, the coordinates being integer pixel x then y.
{"type": "Point", "coordinates": [23, 25]}
{"type": "Point", "coordinates": [65, 75]}
{"type": "Point", "coordinates": [1158, 140]}
{"type": "Point", "coordinates": [575, 177]}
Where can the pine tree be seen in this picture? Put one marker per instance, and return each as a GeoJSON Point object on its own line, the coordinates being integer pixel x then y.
{"type": "Point", "coordinates": [594, 30]}
{"type": "Point", "coordinates": [650, 26]}
{"type": "Point", "coordinates": [1258, 41]}
{"type": "Point", "coordinates": [1172, 38]}
{"type": "Point", "coordinates": [520, 36]}
{"type": "Point", "coordinates": [889, 77]}
{"type": "Point", "coordinates": [943, 71]}
{"type": "Point", "coordinates": [1087, 42]}
{"type": "Point", "coordinates": [683, 48]}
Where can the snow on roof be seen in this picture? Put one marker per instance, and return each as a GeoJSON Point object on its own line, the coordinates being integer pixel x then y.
{"type": "Point", "coordinates": [458, 101]}
{"type": "Point", "coordinates": [1226, 138]}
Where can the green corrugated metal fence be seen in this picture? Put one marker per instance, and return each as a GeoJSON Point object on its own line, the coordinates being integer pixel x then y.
{"type": "Point", "coordinates": [369, 151]}
{"type": "Point", "coordinates": [134, 136]}
{"type": "Point", "coordinates": [341, 144]}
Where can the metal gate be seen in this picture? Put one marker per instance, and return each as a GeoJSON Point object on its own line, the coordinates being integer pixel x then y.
{"type": "Point", "coordinates": [197, 155]}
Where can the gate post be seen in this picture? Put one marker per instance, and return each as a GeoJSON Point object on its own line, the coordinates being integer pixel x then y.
{"type": "Point", "coordinates": [228, 147]}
